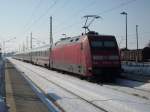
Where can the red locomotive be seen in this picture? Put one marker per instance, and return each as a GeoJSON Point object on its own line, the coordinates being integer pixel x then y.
{"type": "Point", "coordinates": [89, 55]}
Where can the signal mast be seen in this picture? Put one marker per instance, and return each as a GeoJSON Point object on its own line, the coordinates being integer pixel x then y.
{"type": "Point", "coordinates": [91, 19]}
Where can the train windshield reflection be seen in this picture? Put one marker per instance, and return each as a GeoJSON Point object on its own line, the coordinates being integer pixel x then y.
{"type": "Point", "coordinates": [98, 44]}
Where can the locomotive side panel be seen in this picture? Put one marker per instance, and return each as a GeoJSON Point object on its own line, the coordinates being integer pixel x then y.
{"type": "Point", "coordinates": [69, 58]}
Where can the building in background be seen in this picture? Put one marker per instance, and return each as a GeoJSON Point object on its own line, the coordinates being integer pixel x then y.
{"type": "Point", "coordinates": [140, 55]}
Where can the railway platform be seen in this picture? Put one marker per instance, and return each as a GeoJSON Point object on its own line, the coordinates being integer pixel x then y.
{"type": "Point", "coordinates": [19, 95]}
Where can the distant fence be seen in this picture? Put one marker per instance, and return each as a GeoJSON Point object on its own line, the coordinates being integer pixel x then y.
{"type": "Point", "coordinates": [136, 64]}
{"type": "Point", "coordinates": [136, 68]}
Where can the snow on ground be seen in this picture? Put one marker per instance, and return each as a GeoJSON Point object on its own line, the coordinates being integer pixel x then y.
{"type": "Point", "coordinates": [130, 91]}
{"type": "Point", "coordinates": [69, 102]}
{"type": "Point", "coordinates": [137, 68]}
{"type": "Point", "coordinates": [52, 83]}
{"type": "Point", "coordinates": [135, 84]}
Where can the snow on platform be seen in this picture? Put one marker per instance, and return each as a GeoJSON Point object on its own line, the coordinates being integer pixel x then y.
{"type": "Point", "coordinates": [52, 83]}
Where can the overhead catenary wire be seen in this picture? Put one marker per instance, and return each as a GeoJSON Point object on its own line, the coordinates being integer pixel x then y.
{"type": "Point", "coordinates": [79, 11]}
{"type": "Point", "coordinates": [132, 38]}
{"type": "Point", "coordinates": [65, 3]}
{"type": "Point", "coordinates": [103, 12]}
{"type": "Point", "coordinates": [117, 6]}
{"type": "Point", "coordinates": [33, 13]}
{"type": "Point", "coordinates": [134, 35]}
{"type": "Point", "coordinates": [42, 15]}
{"type": "Point", "coordinates": [39, 18]}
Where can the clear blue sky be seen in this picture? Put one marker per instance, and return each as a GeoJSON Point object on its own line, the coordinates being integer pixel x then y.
{"type": "Point", "coordinates": [20, 17]}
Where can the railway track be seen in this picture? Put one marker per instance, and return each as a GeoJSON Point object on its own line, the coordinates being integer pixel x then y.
{"type": "Point", "coordinates": [136, 84]}
{"type": "Point", "coordinates": [93, 97]}
{"type": "Point", "coordinates": [129, 90]}
{"type": "Point", "coordinates": [138, 92]}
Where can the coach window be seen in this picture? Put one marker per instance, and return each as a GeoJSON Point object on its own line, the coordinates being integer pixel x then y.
{"type": "Point", "coordinates": [45, 53]}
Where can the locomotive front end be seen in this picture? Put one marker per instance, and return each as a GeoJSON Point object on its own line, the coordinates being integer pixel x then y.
{"type": "Point", "coordinates": [105, 56]}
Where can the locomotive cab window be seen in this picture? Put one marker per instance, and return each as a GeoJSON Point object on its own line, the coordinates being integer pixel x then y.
{"type": "Point", "coordinates": [109, 44]}
{"type": "Point", "coordinates": [97, 44]}
{"type": "Point", "coordinates": [103, 44]}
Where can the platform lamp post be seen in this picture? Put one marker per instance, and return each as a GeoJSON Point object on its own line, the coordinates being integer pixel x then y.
{"type": "Point", "coordinates": [50, 39]}
{"type": "Point", "coordinates": [125, 13]}
{"type": "Point", "coordinates": [137, 40]}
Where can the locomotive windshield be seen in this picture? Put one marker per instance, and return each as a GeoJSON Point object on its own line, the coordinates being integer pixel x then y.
{"type": "Point", "coordinates": [103, 44]}
{"type": "Point", "coordinates": [98, 44]}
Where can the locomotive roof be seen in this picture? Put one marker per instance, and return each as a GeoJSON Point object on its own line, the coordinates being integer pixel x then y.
{"type": "Point", "coordinates": [77, 39]}
{"type": "Point", "coordinates": [68, 40]}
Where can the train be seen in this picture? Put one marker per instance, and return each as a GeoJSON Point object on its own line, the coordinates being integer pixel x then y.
{"type": "Point", "coordinates": [90, 55]}
{"type": "Point", "coordinates": [140, 55]}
